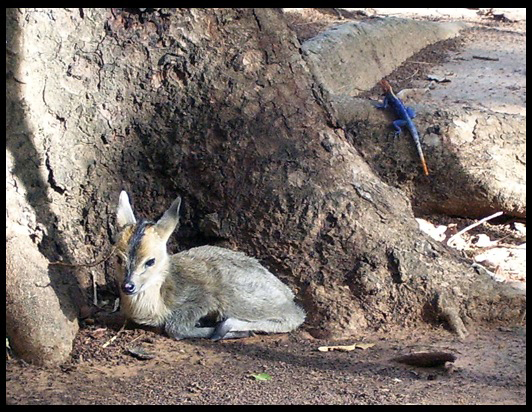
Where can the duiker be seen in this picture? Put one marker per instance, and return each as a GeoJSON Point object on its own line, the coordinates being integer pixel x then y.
{"type": "Point", "coordinates": [179, 291]}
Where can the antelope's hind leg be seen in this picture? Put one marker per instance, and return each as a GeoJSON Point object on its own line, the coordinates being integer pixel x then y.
{"type": "Point", "coordinates": [233, 328]}
{"type": "Point", "coordinates": [223, 330]}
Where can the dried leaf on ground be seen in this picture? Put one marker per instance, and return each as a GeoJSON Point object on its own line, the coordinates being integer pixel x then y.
{"type": "Point", "coordinates": [346, 348]}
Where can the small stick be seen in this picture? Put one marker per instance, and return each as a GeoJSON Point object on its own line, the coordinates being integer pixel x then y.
{"type": "Point", "coordinates": [94, 289]}
{"type": "Point", "coordinates": [88, 265]}
{"type": "Point", "coordinates": [416, 72]}
{"type": "Point", "coordinates": [452, 238]}
{"type": "Point", "coordinates": [106, 344]}
{"type": "Point", "coordinates": [493, 59]}
{"type": "Point", "coordinates": [137, 338]}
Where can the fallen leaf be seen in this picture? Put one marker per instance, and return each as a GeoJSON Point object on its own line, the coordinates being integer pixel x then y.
{"type": "Point", "coordinates": [439, 79]}
{"type": "Point", "coordinates": [346, 348]}
{"type": "Point", "coordinates": [341, 348]}
{"type": "Point", "coordinates": [482, 240]}
{"type": "Point", "coordinates": [365, 346]}
{"type": "Point", "coordinates": [261, 377]}
{"type": "Point", "coordinates": [435, 232]}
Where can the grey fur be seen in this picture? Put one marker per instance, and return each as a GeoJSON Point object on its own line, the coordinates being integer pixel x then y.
{"type": "Point", "coordinates": [178, 291]}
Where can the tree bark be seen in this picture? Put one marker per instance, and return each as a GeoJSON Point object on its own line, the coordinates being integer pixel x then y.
{"type": "Point", "coordinates": [217, 105]}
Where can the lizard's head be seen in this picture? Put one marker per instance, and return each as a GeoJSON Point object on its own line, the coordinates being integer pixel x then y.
{"type": "Point", "coordinates": [386, 87]}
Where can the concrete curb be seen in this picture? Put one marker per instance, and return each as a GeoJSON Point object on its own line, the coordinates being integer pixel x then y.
{"type": "Point", "coordinates": [351, 58]}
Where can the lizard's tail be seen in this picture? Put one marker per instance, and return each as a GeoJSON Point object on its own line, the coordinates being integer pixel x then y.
{"type": "Point", "coordinates": [420, 152]}
{"type": "Point", "coordinates": [423, 163]}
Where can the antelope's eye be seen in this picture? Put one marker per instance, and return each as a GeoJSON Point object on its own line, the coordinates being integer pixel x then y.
{"type": "Point", "coordinates": [149, 262]}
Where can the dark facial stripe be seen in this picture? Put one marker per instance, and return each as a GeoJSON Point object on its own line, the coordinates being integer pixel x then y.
{"type": "Point", "coordinates": [134, 243]}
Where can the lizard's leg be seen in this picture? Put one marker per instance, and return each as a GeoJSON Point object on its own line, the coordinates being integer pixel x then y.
{"type": "Point", "coordinates": [397, 126]}
{"type": "Point", "coordinates": [411, 112]}
{"type": "Point", "coordinates": [382, 105]}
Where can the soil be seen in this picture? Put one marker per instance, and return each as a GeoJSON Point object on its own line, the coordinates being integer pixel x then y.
{"type": "Point", "coordinates": [111, 365]}
{"type": "Point", "coordinates": [145, 367]}
{"type": "Point", "coordinates": [490, 368]}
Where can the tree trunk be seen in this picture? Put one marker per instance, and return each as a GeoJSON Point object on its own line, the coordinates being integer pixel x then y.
{"type": "Point", "coordinates": [219, 106]}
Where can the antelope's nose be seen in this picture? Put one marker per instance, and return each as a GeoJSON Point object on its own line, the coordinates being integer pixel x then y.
{"type": "Point", "coordinates": [128, 288]}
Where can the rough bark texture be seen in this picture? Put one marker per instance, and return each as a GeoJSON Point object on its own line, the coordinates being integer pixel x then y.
{"type": "Point", "coordinates": [41, 319]}
{"type": "Point", "coordinates": [41, 322]}
{"type": "Point", "coordinates": [220, 107]}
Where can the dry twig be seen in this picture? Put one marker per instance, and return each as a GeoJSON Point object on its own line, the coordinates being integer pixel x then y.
{"type": "Point", "coordinates": [88, 265]}
{"type": "Point", "coordinates": [452, 238]}
{"type": "Point", "coordinates": [106, 344]}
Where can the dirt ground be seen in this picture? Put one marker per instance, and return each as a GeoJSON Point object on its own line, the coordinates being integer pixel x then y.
{"type": "Point", "coordinates": [490, 369]}
{"type": "Point", "coordinates": [144, 367]}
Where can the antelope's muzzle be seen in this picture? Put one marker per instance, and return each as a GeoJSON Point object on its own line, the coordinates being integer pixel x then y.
{"type": "Point", "coordinates": [128, 287]}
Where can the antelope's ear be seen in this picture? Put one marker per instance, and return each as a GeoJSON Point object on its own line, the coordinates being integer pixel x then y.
{"type": "Point", "coordinates": [168, 222]}
{"type": "Point", "coordinates": [124, 213]}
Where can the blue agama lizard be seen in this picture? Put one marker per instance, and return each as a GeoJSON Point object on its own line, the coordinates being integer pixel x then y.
{"type": "Point", "coordinates": [405, 114]}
